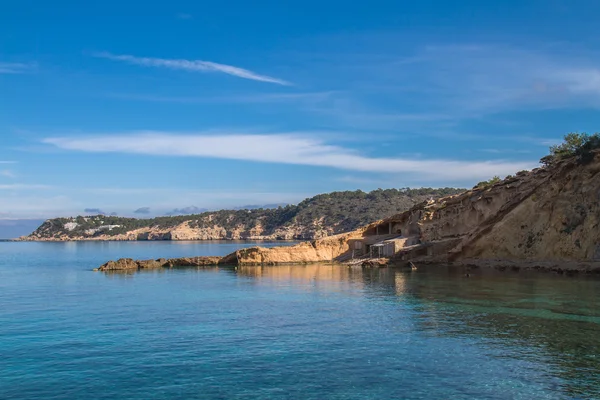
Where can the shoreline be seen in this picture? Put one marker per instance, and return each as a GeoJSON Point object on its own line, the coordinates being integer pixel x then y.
{"type": "Point", "coordinates": [468, 266]}
{"type": "Point", "coordinates": [158, 240]}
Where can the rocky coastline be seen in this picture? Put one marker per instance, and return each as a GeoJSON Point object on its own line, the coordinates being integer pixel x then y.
{"type": "Point", "coordinates": [468, 266]}
{"type": "Point", "coordinates": [545, 219]}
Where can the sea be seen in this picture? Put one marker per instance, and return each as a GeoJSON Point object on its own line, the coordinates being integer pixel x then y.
{"type": "Point", "coordinates": [287, 332]}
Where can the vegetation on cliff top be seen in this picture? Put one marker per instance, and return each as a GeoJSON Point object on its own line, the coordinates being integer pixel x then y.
{"type": "Point", "coordinates": [492, 181]}
{"type": "Point", "coordinates": [579, 145]}
{"type": "Point", "coordinates": [341, 211]}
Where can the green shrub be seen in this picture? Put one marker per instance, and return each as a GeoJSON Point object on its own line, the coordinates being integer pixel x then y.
{"type": "Point", "coordinates": [579, 145]}
{"type": "Point", "coordinates": [490, 182]}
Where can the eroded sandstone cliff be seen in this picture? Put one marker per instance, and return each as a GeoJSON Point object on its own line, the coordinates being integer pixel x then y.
{"type": "Point", "coordinates": [547, 215]}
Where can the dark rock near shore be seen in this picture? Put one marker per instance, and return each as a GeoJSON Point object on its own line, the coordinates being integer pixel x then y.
{"type": "Point", "coordinates": [193, 261]}
{"type": "Point", "coordinates": [123, 263]}
{"type": "Point", "coordinates": [376, 263]}
{"type": "Point", "coordinates": [149, 264]}
{"type": "Point", "coordinates": [131, 264]}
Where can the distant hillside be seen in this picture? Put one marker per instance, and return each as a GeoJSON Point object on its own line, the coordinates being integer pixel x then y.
{"type": "Point", "coordinates": [315, 217]}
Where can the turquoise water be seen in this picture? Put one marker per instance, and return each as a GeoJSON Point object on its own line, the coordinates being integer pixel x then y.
{"type": "Point", "coordinates": [304, 332]}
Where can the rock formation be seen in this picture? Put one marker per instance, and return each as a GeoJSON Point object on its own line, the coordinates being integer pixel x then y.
{"type": "Point", "coordinates": [130, 264]}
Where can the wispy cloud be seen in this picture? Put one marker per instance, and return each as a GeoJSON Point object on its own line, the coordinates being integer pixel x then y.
{"type": "Point", "coordinates": [437, 87]}
{"type": "Point", "coordinates": [8, 174]}
{"type": "Point", "coordinates": [506, 151]}
{"type": "Point", "coordinates": [16, 68]}
{"type": "Point", "coordinates": [258, 98]}
{"type": "Point", "coordinates": [23, 186]}
{"type": "Point", "coordinates": [8, 162]}
{"type": "Point", "coordinates": [285, 148]}
{"type": "Point", "coordinates": [191, 65]}
{"type": "Point", "coordinates": [490, 78]}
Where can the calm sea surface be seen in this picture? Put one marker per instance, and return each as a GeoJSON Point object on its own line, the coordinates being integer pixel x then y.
{"type": "Point", "coordinates": [303, 332]}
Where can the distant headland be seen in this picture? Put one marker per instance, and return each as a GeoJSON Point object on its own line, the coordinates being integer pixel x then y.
{"type": "Point", "coordinates": [320, 216]}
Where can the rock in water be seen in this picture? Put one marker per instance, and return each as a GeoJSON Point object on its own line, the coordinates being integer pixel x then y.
{"type": "Point", "coordinates": [121, 264]}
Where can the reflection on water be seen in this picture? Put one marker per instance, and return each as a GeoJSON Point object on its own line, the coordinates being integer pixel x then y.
{"type": "Point", "coordinates": [309, 332]}
{"type": "Point", "coordinates": [547, 317]}
{"type": "Point", "coordinates": [542, 316]}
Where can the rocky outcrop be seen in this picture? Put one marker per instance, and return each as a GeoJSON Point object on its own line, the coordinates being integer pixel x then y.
{"type": "Point", "coordinates": [328, 249]}
{"type": "Point", "coordinates": [323, 250]}
{"type": "Point", "coordinates": [130, 264]}
{"type": "Point", "coordinates": [121, 264]}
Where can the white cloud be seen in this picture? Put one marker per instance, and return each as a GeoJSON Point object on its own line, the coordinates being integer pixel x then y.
{"type": "Point", "coordinates": [191, 65]}
{"type": "Point", "coordinates": [8, 162]}
{"type": "Point", "coordinates": [286, 148]}
{"type": "Point", "coordinates": [16, 68]}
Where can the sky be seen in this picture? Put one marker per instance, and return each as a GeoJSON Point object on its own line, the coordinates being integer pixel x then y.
{"type": "Point", "coordinates": [142, 108]}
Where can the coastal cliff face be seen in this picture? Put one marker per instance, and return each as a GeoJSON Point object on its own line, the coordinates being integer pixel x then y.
{"type": "Point", "coordinates": [184, 231]}
{"type": "Point", "coordinates": [549, 215]}
{"type": "Point", "coordinates": [546, 217]}
{"type": "Point", "coordinates": [555, 216]}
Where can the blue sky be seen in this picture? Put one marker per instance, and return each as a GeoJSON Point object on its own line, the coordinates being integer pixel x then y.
{"type": "Point", "coordinates": [164, 105]}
